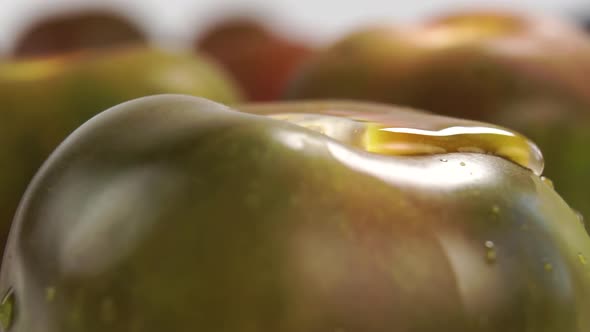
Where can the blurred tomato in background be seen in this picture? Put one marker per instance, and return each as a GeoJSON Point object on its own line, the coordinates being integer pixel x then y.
{"type": "Point", "coordinates": [67, 32]}
{"type": "Point", "coordinates": [175, 22]}
{"type": "Point", "coordinates": [261, 60]}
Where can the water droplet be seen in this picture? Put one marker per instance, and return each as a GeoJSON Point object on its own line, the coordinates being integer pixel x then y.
{"type": "Point", "coordinates": [491, 255]}
{"type": "Point", "coordinates": [50, 294]}
{"type": "Point", "coordinates": [548, 267]}
{"type": "Point", "coordinates": [444, 160]}
{"type": "Point", "coordinates": [582, 259]}
{"type": "Point", "coordinates": [495, 209]}
{"type": "Point", "coordinates": [7, 310]}
{"type": "Point", "coordinates": [397, 131]}
{"type": "Point", "coordinates": [580, 217]}
{"type": "Point", "coordinates": [548, 182]}
{"type": "Point", "coordinates": [462, 164]}
{"type": "Point", "coordinates": [583, 221]}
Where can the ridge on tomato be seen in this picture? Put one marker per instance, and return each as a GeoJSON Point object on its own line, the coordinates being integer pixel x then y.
{"type": "Point", "coordinates": [43, 100]}
{"type": "Point", "coordinates": [524, 72]}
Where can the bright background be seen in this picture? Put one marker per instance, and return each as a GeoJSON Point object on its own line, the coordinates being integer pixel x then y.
{"type": "Point", "coordinates": [176, 22]}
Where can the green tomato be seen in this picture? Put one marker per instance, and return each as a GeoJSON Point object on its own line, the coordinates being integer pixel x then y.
{"type": "Point", "coordinates": [174, 213]}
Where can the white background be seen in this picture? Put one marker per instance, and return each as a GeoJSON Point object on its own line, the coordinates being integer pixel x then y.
{"type": "Point", "coordinates": [175, 22]}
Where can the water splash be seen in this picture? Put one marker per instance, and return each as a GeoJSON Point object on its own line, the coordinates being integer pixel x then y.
{"type": "Point", "coordinates": [398, 131]}
{"type": "Point", "coordinates": [491, 255]}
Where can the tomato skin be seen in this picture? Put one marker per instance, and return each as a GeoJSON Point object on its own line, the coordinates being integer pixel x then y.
{"type": "Point", "coordinates": [177, 213]}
